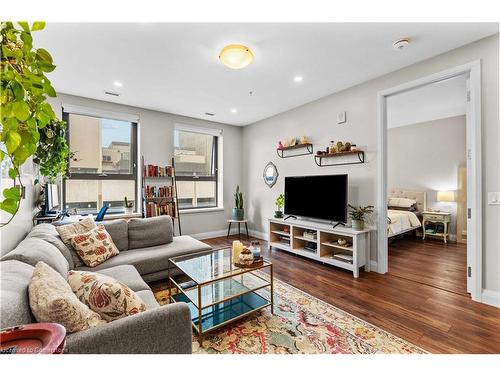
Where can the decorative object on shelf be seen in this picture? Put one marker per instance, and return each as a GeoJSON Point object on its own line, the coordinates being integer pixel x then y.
{"type": "Point", "coordinates": [341, 241]}
{"type": "Point", "coordinates": [238, 212]}
{"type": "Point", "coordinates": [310, 234]}
{"type": "Point", "coordinates": [281, 151]}
{"type": "Point", "coordinates": [255, 248]}
{"type": "Point", "coordinates": [320, 157]}
{"type": "Point", "coordinates": [270, 174]}
{"type": "Point", "coordinates": [357, 215]}
{"type": "Point", "coordinates": [129, 206]}
{"type": "Point", "coordinates": [237, 249]}
{"type": "Point", "coordinates": [286, 143]}
{"type": "Point", "coordinates": [286, 229]}
{"type": "Point", "coordinates": [280, 145]}
{"type": "Point", "coordinates": [24, 109]}
{"type": "Point", "coordinates": [280, 203]}
{"type": "Point", "coordinates": [246, 257]}
{"type": "Point", "coordinates": [293, 142]}
{"type": "Point", "coordinates": [304, 140]}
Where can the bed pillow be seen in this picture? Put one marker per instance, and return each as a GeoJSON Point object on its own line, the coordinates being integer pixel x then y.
{"type": "Point", "coordinates": [52, 300]}
{"type": "Point", "coordinates": [66, 232]}
{"type": "Point", "coordinates": [104, 295]}
{"type": "Point", "coordinates": [95, 246]}
{"type": "Point", "coordinates": [401, 202]}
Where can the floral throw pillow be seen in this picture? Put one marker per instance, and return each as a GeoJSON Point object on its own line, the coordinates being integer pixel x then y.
{"type": "Point", "coordinates": [104, 295]}
{"type": "Point", "coordinates": [94, 246]}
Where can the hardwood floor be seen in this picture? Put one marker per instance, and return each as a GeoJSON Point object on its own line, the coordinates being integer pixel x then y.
{"type": "Point", "coordinates": [435, 319]}
{"type": "Point", "coordinates": [430, 262]}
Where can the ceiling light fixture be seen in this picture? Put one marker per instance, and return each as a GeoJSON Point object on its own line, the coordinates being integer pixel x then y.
{"type": "Point", "coordinates": [401, 44]}
{"type": "Point", "coordinates": [236, 56]}
{"type": "Point", "coordinates": [234, 110]}
{"type": "Point", "coordinates": [297, 79]}
{"type": "Point", "coordinates": [118, 84]}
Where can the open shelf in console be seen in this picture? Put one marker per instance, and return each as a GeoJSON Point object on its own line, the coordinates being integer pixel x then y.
{"type": "Point", "coordinates": [305, 239]}
{"type": "Point", "coordinates": [280, 233]}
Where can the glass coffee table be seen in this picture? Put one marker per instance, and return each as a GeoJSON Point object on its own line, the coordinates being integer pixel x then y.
{"type": "Point", "coordinates": [216, 291]}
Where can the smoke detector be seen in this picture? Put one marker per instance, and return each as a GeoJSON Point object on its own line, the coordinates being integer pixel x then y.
{"type": "Point", "coordinates": [401, 44]}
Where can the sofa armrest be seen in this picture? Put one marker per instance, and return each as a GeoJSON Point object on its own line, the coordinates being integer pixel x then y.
{"type": "Point", "coordinates": [166, 329]}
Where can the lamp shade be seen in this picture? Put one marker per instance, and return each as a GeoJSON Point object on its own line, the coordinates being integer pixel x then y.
{"type": "Point", "coordinates": [236, 56]}
{"type": "Point", "coordinates": [446, 196]}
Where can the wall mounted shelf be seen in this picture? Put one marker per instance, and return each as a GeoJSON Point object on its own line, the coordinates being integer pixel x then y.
{"type": "Point", "coordinates": [330, 160]}
{"type": "Point", "coordinates": [307, 146]}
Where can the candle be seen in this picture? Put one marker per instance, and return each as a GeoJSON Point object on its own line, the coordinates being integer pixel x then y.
{"type": "Point", "coordinates": [237, 249]}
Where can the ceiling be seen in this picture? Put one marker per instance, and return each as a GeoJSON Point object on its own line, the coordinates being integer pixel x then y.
{"type": "Point", "coordinates": [438, 100]}
{"type": "Point", "coordinates": [175, 68]}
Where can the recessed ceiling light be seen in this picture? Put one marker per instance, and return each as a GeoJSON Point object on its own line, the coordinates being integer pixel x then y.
{"type": "Point", "coordinates": [297, 79]}
{"type": "Point", "coordinates": [401, 44]}
{"type": "Point", "coordinates": [234, 110]}
{"type": "Point", "coordinates": [236, 56]}
{"type": "Point", "coordinates": [118, 84]}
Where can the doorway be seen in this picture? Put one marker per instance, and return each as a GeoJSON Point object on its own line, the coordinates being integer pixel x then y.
{"type": "Point", "coordinates": [472, 163]}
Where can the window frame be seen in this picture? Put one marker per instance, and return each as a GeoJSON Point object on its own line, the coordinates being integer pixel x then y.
{"type": "Point", "coordinates": [214, 167]}
{"type": "Point", "coordinates": [103, 176]}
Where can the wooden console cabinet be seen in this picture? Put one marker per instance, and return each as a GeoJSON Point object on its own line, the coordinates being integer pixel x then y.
{"type": "Point", "coordinates": [289, 235]}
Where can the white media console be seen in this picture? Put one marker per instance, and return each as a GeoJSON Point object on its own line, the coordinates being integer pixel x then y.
{"type": "Point", "coordinates": [289, 235]}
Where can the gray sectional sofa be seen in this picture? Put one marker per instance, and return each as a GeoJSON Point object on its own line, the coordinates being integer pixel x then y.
{"type": "Point", "coordinates": [145, 247]}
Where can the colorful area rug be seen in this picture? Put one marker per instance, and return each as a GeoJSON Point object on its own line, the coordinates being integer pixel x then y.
{"type": "Point", "coordinates": [301, 324]}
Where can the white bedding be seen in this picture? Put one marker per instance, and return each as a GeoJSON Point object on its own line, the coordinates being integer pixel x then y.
{"type": "Point", "coordinates": [401, 221]}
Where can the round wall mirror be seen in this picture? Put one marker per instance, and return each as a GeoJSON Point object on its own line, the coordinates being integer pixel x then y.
{"type": "Point", "coordinates": [270, 174]}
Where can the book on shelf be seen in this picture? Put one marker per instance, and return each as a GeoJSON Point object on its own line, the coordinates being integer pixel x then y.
{"type": "Point", "coordinates": [158, 209]}
{"type": "Point", "coordinates": [151, 170]}
{"type": "Point", "coordinates": [343, 257]}
{"type": "Point", "coordinates": [158, 191]}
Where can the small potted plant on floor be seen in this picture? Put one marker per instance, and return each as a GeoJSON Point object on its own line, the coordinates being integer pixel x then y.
{"type": "Point", "coordinates": [357, 215]}
{"type": "Point", "coordinates": [280, 203]}
{"type": "Point", "coordinates": [238, 211]}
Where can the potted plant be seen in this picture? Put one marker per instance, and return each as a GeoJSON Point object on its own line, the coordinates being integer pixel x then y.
{"type": "Point", "coordinates": [357, 215]}
{"type": "Point", "coordinates": [238, 211]}
{"type": "Point", "coordinates": [129, 206]}
{"type": "Point", "coordinates": [280, 203]}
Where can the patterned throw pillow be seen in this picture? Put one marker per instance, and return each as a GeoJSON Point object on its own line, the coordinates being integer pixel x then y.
{"type": "Point", "coordinates": [95, 246]}
{"type": "Point", "coordinates": [104, 295]}
{"type": "Point", "coordinates": [69, 230]}
{"type": "Point", "coordinates": [52, 300]}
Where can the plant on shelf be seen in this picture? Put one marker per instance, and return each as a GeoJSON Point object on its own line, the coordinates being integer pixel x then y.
{"type": "Point", "coordinates": [357, 215]}
{"type": "Point", "coordinates": [24, 110]}
{"type": "Point", "coordinates": [280, 203]}
{"type": "Point", "coordinates": [129, 206]}
{"type": "Point", "coordinates": [238, 211]}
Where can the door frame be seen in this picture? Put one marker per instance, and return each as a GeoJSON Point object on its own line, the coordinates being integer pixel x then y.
{"type": "Point", "coordinates": [474, 173]}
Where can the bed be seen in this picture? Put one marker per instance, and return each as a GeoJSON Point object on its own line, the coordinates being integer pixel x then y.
{"type": "Point", "coordinates": [401, 219]}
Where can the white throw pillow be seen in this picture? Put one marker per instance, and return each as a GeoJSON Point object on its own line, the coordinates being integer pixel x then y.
{"type": "Point", "coordinates": [401, 202]}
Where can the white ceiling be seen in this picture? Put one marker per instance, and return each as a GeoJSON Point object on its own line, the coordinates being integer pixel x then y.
{"type": "Point", "coordinates": [175, 68]}
{"type": "Point", "coordinates": [431, 102]}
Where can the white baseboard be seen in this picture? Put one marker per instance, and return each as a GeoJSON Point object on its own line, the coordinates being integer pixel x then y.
{"type": "Point", "coordinates": [260, 235]}
{"type": "Point", "coordinates": [205, 235]}
{"type": "Point", "coordinates": [491, 297]}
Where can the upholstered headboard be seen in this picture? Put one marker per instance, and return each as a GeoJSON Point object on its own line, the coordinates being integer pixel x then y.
{"type": "Point", "coordinates": [419, 196]}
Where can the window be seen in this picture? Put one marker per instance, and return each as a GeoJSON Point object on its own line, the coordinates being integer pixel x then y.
{"type": "Point", "coordinates": [103, 170]}
{"type": "Point", "coordinates": [195, 156]}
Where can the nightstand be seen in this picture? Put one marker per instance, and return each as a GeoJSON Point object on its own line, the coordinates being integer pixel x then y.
{"type": "Point", "coordinates": [436, 217]}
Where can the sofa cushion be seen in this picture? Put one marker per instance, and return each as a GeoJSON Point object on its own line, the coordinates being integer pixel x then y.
{"type": "Point", "coordinates": [127, 275]}
{"type": "Point", "coordinates": [148, 298]}
{"type": "Point", "coordinates": [150, 231]}
{"type": "Point", "coordinates": [69, 230]}
{"type": "Point", "coordinates": [48, 232]}
{"type": "Point", "coordinates": [106, 296]}
{"type": "Point", "coordinates": [51, 300]}
{"type": "Point", "coordinates": [32, 250]}
{"type": "Point", "coordinates": [95, 246]}
{"type": "Point", "coordinates": [118, 230]}
{"type": "Point", "coordinates": [155, 258]}
{"type": "Point", "coordinates": [14, 280]}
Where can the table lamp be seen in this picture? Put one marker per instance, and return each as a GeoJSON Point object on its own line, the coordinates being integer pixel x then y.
{"type": "Point", "coordinates": [446, 196]}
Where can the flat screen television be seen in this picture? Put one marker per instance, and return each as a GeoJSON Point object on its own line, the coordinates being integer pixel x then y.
{"type": "Point", "coordinates": [52, 206]}
{"type": "Point", "coordinates": [318, 197]}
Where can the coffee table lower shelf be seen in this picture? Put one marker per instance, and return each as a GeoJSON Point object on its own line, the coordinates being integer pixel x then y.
{"type": "Point", "coordinates": [223, 313]}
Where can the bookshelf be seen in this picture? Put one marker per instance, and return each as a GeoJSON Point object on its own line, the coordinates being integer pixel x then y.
{"type": "Point", "coordinates": [159, 192]}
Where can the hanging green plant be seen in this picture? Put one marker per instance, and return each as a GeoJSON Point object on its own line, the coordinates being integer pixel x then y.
{"type": "Point", "coordinates": [53, 151]}
{"type": "Point", "coordinates": [24, 110]}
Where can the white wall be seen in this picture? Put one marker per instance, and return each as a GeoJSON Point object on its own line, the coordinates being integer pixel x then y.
{"type": "Point", "coordinates": [425, 157]}
{"type": "Point", "coordinates": [156, 144]}
{"type": "Point", "coordinates": [318, 120]}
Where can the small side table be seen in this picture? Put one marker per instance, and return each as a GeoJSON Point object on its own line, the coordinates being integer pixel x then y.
{"type": "Point", "coordinates": [239, 227]}
{"type": "Point", "coordinates": [437, 217]}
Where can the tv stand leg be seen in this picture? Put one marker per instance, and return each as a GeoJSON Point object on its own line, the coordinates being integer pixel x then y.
{"type": "Point", "coordinates": [339, 223]}
{"type": "Point", "coordinates": [290, 216]}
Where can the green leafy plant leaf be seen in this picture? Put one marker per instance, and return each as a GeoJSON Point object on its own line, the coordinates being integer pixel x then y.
{"type": "Point", "coordinates": [39, 25]}
{"type": "Point", "coordinates": [12, 141]}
